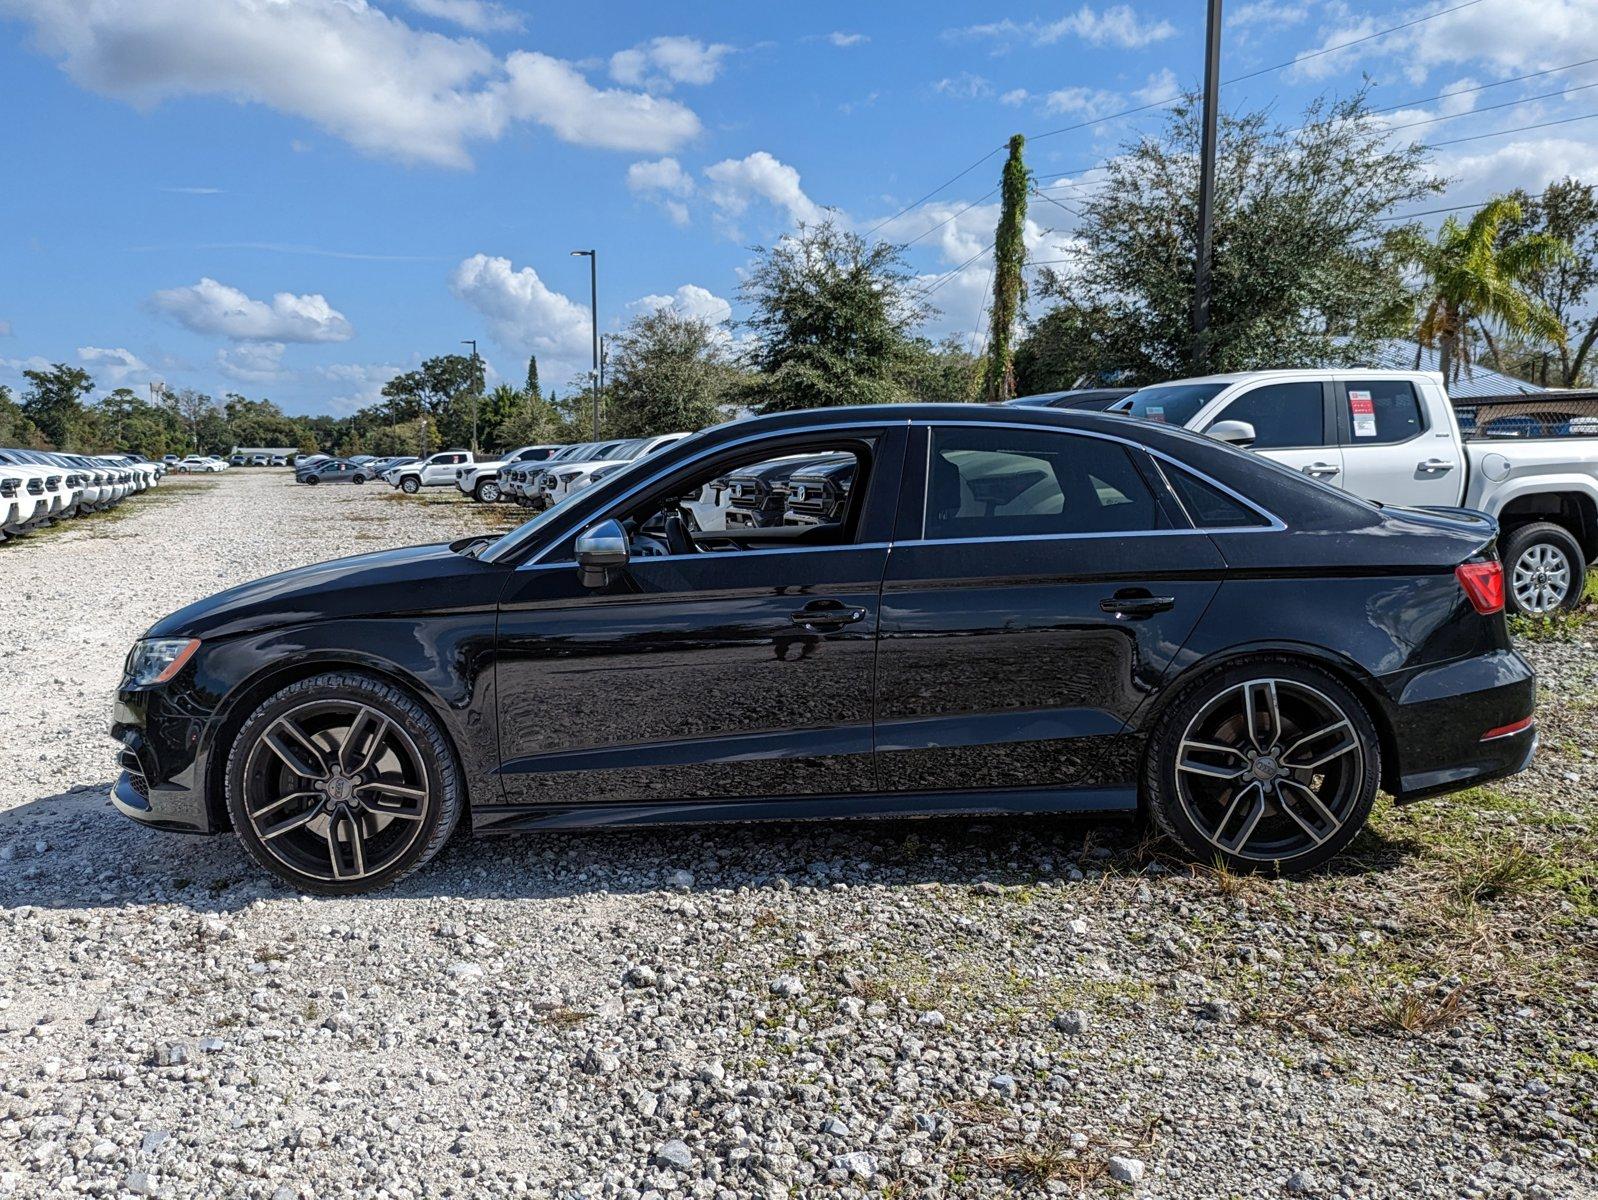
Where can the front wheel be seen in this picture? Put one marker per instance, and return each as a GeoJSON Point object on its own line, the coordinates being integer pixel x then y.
{"type": "Point", "coordinates": [410, 485]}
{"type": "Point", "coordinates": [1267, 765]}
{"type": "Point", "coordinates": [342, 783]}
{"type": "Point", "coordinates": [1545, 567]}
{"type": "Point", "coordinates": [487, 492]}
{"type": "Point", "coordinates": [359, 479]}
{"type": "Point", "coordinates": [313, 479]}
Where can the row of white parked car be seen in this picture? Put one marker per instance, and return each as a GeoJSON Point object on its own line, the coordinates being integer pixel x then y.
{"type": "Point", "coordinates": [41, 487]}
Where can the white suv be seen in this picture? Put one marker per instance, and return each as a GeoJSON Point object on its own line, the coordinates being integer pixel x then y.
{"type": "Point", "coordinates": [438, 470]}
{"type": "Point", "coordinates": [480, 480]}
{"type": "Point", "coordinates": [567, 478]}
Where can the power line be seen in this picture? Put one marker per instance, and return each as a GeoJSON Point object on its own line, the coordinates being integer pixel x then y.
{"type": "Point", "coordinates": [1482, 87]}
{"type": "Point", "coordinates": [1431, 212]}
{"type": "Point", "coordinates": [1490, 108]}
{"type": "Point", "coordinates": [935, 191]}
{"type": "Point", "coordinates": [1505, 132]}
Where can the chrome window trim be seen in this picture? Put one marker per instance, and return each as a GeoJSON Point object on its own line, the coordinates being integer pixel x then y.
{"type": "Point", "coordinates": [1274, 523]}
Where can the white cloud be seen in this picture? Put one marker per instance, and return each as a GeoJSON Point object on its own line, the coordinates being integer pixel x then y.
{"type": "Point", "coordinates": [253, 362]}
{"type": "Point", "coordinates": [522, 313]}
{"type": "Point", "coordinates": [844, 40]}
{"type": "Point", "coordinates": [116, 366]}
{"type": "Point", "coordinates": [735, 183]}
{"type": "Point", "coordinates": [665, 183]}
{"type": "Point", "coordinates": [690, 300]}
{"type": "Point", "coordinates": [360, 74]}
{"type": "Point", "coordinates": [964, 86]}
{"type": "Point", "coordinates": [663, 62]}
{"type": "Point", "coordinates": [353, 386]}
{"type": "Point", "coordinates": [1267, 12]}
{"type": "Point", "coordinates": [473, 15]}
{"type": "Point", "coordinates": [1083, 101]}
{"type": "Point", "coordinates": [1015, 96]}
{"type": "Point", "coordinates": [1158, 87]}
{"type": "Point", "coordinates": [1531, 163]}
{"type": "Point", "coordinates": [216, 308]}
{"type": "Point", "coordinates": [1118, 25]}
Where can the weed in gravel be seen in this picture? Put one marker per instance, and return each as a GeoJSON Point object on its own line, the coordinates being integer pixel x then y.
{"type": "Point", "coordinates": [1490, 872]}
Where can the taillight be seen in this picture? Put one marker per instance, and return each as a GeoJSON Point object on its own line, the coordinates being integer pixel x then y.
{"type": "Point", "coordinates": [1484, 585]}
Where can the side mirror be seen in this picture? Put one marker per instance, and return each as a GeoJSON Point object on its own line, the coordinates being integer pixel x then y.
{"type": "Point", "coordinates": [601, 550]}
{"type": "Point", "coordinates": [1237, 433]}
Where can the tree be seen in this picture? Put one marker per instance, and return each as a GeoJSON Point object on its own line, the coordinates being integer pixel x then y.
{"type": "Point", "coordinates": [195, 410]}
{"type": "Point", "coordinates": [668, 374]}
{"type": "Point", "coordinates": [1009, 288]}
{"type": "Point", "coordinates": [832, 321]}
{"type": "Point", "coordinates": [532, 376]}
{"type": "Point", "coordinates": [1568, 210]}
{"type": "Point", "coordinates": [15, 428]}
{"type": "Point", "coordinates": [947, 373]}
{"type": "Point", "coordinates": [1306, 271]}
{"type": "Point", "coordinates": [1472, 276]}
{"type": "Point", "coordinates": [53, 401]}
{"type": "Point", "coordinates": [429, 389]}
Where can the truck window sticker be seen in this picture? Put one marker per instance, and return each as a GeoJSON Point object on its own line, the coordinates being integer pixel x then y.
{"type": "Point", "coordinates": [1363, 410]}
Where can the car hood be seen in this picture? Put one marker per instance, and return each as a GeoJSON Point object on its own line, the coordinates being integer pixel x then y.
{"type": "Point", "coordinates": [389, 583]}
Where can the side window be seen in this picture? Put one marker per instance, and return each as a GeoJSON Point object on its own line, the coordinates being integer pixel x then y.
{"type": "Point", "coordinates": [1027, 482]}
{"type": "Point", "coordinates": [1284, 415]}
{"type": "Point", "coordinates": [1382, 411]}
{"type": "Point", "coordinates": [1209, 507]}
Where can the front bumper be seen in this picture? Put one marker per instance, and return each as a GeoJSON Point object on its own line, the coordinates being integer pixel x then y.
{"type": "Point", "coordinates": [163, 765]}
{"type": "Point", "coordinates": [1440, 714]}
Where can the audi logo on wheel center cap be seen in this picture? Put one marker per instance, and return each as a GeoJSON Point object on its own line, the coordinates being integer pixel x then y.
{"type": "Point", "coordinates": [340, 787]}
{"type": "Point", "coordinates": [1265, 768]}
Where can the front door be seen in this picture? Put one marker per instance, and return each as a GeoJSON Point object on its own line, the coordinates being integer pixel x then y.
{"type": "Point", "coordinates": [703, 669]}
{"type": "Point", "coordinates": [1048, 588]}
{"type": "Point", "coordinates": [1293, 424]}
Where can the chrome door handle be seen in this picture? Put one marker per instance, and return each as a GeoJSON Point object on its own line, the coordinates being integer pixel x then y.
{"type": "Point", "coordinates": [830, 614]}
{"type": "Point", "coordinates": [1434, 466]}
{"type": "Point", "coordinates": [1321, 470]}
{"type": "Point", "coordinates": [1137, 606]}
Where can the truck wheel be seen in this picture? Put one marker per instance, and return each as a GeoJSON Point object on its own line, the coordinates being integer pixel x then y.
{"type": "Point", "coordinates": [1545, 567]}
{"type": "Point", "coordinates": [487, 491]}
{"type": "Point", "coordinates": [410, 485]}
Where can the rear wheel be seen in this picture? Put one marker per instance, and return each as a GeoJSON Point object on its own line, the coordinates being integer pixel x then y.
{"type": "Point", "coordinates": [342, 783]}
{"type": "Point", "coordinates": [1267, 765]}
{"type": "Point", "coordinates": [1545, 568]}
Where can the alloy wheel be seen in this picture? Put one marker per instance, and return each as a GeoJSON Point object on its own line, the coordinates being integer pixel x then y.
{"type": "Point", "coordinates": [1541, 578]}
{"type": "Point", "coordinates": [488, 493]}
{"type": "Point", "coordinates": [336, 790]}
{"type": "Point", "coordinates": [1269, 769]}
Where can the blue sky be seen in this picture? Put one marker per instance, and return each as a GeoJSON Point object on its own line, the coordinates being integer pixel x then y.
{"type": "Point", "coordinates": [298, 198]}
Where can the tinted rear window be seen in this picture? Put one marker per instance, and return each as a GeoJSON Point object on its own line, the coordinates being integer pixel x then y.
{"type": "Point", "coordinates": [1173, 404]}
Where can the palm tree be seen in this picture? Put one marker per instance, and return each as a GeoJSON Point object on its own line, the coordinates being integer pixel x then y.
{"type": "Point", "coordinates": [1471, 276]}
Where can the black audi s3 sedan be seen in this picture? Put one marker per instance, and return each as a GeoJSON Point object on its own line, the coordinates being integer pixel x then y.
{"type": "Point", "coordinates": [1015, 610]}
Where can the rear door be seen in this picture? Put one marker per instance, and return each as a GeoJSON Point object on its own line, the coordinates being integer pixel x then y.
{"type": "Point", "coordinates": [1389, 452]}
{"type": "Point", "coordinates": [1041, 584]}
{"type": "Point", "coordinates": [1293, 423]}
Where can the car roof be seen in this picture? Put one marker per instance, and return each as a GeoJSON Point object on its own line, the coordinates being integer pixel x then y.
{"type": "Point", "coordinates": [1301, 373]}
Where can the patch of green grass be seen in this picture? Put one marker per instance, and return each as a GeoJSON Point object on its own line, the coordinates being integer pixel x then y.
{"type": "Point", "coordinates": [1564, 626]}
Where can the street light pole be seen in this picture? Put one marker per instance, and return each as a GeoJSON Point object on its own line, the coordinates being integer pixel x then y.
{"type": "Point", "coordinates": [477, 386]}
{"type": "Point", "coordinates": [593, 308]}
{"type": "Point", "coordinates": [1206, 213]}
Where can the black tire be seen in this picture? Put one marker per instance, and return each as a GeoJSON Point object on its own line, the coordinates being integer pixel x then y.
{"type": "Point", "coordinates": [313, 479]}
{"type": "Point", "coordinates": [1545, 570]}
{"type": "Point", "coordinates": [487, 491]}
{"type": "Point", "coordinates": [410, 485]}
{"type": "Point", "coordinates": [1196, 810]}
{"type": "Point", "coordinates": [417, 838]}
{"type": "Point", "coordinates": [359, 479]}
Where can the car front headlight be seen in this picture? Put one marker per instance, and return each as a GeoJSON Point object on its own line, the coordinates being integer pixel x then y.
{"type": "Point", "coordinates": [156, 660]}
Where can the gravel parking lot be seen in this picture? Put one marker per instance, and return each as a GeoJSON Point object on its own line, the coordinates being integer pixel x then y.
{"type": "Point", "coordinates": [1024, 1008]}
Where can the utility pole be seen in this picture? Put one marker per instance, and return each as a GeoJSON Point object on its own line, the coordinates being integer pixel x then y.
{"type": "Point", "coordinates": [1206, 215]}
{"type": "Point", "coordinates": [593, 308]}
{"type": "Point", "coordinates": [477, 386]}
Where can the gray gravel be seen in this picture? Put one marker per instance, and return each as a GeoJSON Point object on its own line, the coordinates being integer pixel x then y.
{"type": "Point", "coordinates": [1023, 1008]}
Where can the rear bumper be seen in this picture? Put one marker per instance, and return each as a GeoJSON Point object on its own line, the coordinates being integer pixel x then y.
{"type": "Point", "coordinates": [1440, 714]}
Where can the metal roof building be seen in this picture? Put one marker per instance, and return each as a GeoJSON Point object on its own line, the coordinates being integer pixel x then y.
{"type": "Point", "coordinates": [1473, 380]}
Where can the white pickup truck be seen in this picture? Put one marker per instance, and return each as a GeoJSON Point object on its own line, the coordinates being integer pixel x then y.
{"type": "Point", "coordinates": [437, 470]}
{"type": "Point", "coordinates": [1395, 436]}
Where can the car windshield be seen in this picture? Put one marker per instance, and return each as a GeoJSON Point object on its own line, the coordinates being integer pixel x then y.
{"type": "Point", "coordinates": [1172, 403]}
